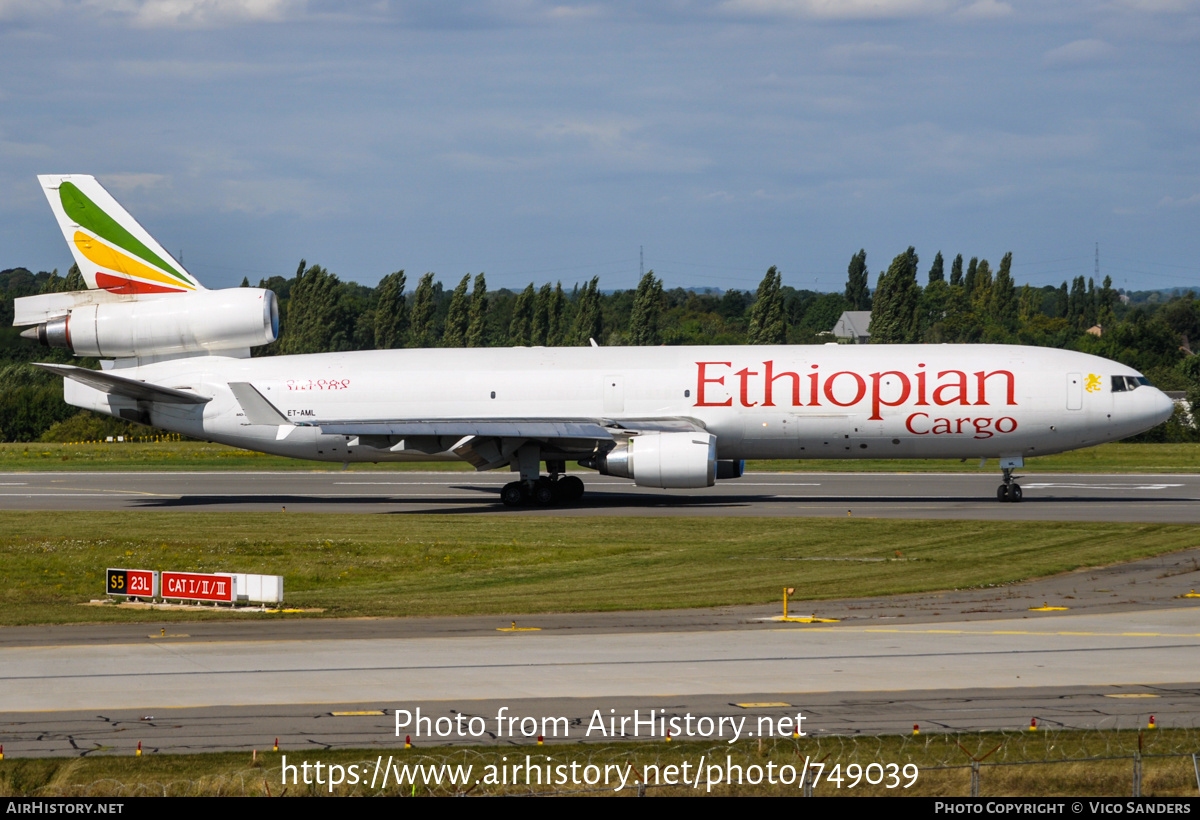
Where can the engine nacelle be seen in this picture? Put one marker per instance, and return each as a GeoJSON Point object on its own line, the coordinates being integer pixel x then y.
{"type": "Point", "coordinates": [204, 321]}
{"type": "Point", "coordinates": [668, 460]}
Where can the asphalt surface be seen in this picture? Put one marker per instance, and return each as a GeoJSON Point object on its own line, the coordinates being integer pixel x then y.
{"type": "Point", "coordinates": [1124, 649]}
{"type": "Point", "coordinates": [972, 496]}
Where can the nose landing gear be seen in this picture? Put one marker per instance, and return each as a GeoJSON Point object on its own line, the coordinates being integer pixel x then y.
{"type": "Point", "coordinates": [1010, 490]}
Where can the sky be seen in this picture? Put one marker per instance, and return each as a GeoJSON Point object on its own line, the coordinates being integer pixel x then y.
{"type": "Point", "coordinates": [556, 141]}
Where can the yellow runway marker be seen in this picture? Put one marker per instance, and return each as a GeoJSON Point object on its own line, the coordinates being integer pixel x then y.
{"type": "Point", "coordinates": [1132, 695]}
{"type": "Point", "coordinates": [781, 704]}
{"type": "Point", "coordinates": [1047, 608]}
{"type": "Point", "coordinates": [515, 628]}
{"type": "Point", "coordinates": [356, 714]}
{"type": "Point", "coordinates": [813, 620]}
{"type": "Point", "coordinates": [793, 620]}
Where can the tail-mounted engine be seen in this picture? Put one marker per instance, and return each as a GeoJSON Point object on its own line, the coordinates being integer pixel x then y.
{"type": "Point", "coordinates": [96, 323]}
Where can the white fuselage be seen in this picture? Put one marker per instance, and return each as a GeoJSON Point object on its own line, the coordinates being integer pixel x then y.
{"type": "Point", "coordinates": [789, 402]}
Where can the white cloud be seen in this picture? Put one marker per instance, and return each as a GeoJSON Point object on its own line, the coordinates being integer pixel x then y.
{"type": "Point", "coordinates": [864, 52]}
{"type": "Point", "coordinates": [133, 181]}
{"type": "Point", "coordinates": [25, 150]}
{"type": "Point", "coordinates": [1079, 52]}
{"type": "Point", "coordinates": [196, 13]}
{"type": "Point", "coordinates": [11, 9]}
{"type": "Point", "coordinates": [616, 143]}
{"type": "Point", "coordinates": [985, 10]}
{"type": "Point", "coordinates": [199, 70]}
{"type": "Point", "coordinates": [575, 12]}
{"type": "Point", "coordinates": [1172, 202]}
{"type": "Point", "coordinates": [1157, 6]}
{"type": "Point", "coordinates": [260, 197]}
{"type": "Point", "coordinates": [836, 9]}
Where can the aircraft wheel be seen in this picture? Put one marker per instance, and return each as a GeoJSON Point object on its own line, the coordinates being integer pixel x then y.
{"type": "Point", "coordinates": [544, 493]}
{"type": "Point", "coordinates": [570, 488]}
{"type": "Point", "coordinates": [1002, 493]}
{"type": "Point", "coordinates": [513, 494]}
{"type": "Point", "coordinates": [1014, 493]}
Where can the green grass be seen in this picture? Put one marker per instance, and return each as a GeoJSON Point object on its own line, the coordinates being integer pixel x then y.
{"type": "Point", "coordinates": [353, 565]}
{"type": "Point", "coordinates": [1054, 767]}
{"type": "Point", "coordinates": [38, 457]}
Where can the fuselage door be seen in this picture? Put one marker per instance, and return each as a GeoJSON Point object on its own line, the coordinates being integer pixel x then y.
{"type": "Point", "coordinates": [1074, 391]}
{"type": "Point", "coordinates": [614, 394]}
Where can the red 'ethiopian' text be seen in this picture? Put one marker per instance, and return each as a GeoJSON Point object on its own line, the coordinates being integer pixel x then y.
{"type": "Point", "coordinates": [719, 385]}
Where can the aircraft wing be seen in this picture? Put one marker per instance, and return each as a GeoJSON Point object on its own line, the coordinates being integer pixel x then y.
{"type": "Point", "coordinates": [490, 443]}
{"type": "Point", "coordinates": [121, 386]}
{"type": "Point", "coordinates": [515, 428]}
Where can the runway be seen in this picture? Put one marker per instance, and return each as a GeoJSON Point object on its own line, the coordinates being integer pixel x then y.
{"type": "Point", "coordinates": [975, 659]}
{"type": "Point", "coordinates": [970, 496]}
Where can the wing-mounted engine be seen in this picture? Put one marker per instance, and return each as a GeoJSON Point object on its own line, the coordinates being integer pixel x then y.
{"type": "Point", "coordinates": [111, 325]}
{"type": "Point", "coordinates": [667, 460]}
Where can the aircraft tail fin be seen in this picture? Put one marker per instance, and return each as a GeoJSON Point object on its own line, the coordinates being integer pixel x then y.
{"type": "Point", "coordinates": [112, 250]}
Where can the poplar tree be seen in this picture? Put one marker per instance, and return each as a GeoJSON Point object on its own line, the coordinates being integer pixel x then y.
{"type": "Point", "coordinates": [477, 324]}
{"type": "Point", "coordinates": [520, 329]}
{"type": "Point", "coordinates": [858, 295]}
{"type": "Point", "coordinates": [74, 279]}
{"type": "Point", "coordinates": [555, 316]}
{"type": "Point", "coordinates": [1106, 302]}
{"type": "Point", "coordinates": [981, 292]}
{"type": "Point", "coordinates": [936, 273]}
{"type": "Point", "coordinates": [956, 271]}
{"type": "Point", "coordinates": [1004, 296]}
{"type": "Point", "coordinates": [767, 323]}
{"type": "Point", "coordinates": [588, 316]}
{"type": "Point", "coordinates": [455, 334]}
{"type": "Point", "coordinates": [647, 310]}
{"type": "Point", "coordinates": [1089, 304]}
{"type": "Point", "coordinates": [1076, 303]}
{"type": "Point", "coordinates": [540, 330]}
{"type": "Point", "coordinates": [391, 320]}
{"type": "Point", "coordinates": [895, 316]}
{"type": "Point", "coordinates": [421, 323]}
{"type": "Point", "coordinates": [316, 318]}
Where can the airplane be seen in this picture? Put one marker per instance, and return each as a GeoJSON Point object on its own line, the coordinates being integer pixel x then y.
{"type": "Point", "coordinates": [176, 355]}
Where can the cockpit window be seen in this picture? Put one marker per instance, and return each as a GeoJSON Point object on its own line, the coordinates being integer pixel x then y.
{"type": "Point", "coordinates": [1123, 384]}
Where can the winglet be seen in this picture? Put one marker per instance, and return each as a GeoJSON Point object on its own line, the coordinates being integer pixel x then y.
{"type": "Point", "coordinates": [112, 250]}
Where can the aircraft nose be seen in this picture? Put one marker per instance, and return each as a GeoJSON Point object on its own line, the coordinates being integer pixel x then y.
{"type": "Point", "coordinates": [1160, 407]}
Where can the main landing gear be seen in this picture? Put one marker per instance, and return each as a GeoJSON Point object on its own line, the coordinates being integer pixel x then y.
{"type": "Point", "coordinates": [1010, 490]}
{"type": "Point", "coordinates": [544, 491]}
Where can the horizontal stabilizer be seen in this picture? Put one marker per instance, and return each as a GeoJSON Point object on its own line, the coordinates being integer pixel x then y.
{"type": "Point", "coordinates": [121, 386]}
